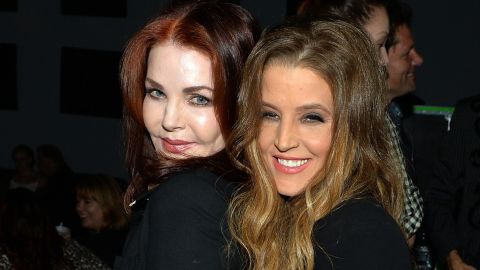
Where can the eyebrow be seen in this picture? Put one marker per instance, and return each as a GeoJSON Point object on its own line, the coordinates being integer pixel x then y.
{"type": "Point", "coordinates": [306, 107]}
{"type": "Point", "coordinates": [187, 90]}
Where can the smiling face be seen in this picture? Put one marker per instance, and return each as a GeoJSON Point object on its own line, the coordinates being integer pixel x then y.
{"type": "Point", "coordinates": [177, 110]}
{"type": "Point", "coordinates": [90, 213]}
{"type": "Point", "coordinates": [403, 59]}
{"type": "Point", "coordinates": [296, 130]}
{"type": "Point", "coordinates": [377, 28]}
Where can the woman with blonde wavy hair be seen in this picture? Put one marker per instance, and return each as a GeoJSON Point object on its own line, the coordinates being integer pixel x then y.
{"type": "Point", "coordinates": [325, 191]}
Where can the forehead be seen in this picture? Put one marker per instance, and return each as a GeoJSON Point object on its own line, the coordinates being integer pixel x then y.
{"type": "Point", "coordinates": [378, 23]}
{"type": "Point", "coordinates": [292, 86]}
{"type": "Point", "coordinates": [169, 61]}
{"type": "Point", "coordinates": [403, 36]}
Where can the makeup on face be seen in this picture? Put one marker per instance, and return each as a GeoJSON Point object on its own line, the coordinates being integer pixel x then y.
{"type": "Point", "coordinates": [178, 107]}
{"type": "Point", "coordinates": [296, 130]}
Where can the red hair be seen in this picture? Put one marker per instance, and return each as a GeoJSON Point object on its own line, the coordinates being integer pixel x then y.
{"type": "Point", "coordinates": [225, 33]}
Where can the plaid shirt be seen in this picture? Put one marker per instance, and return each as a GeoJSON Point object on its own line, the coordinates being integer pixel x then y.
{"type": "Point", "coordinates": [413, 212]}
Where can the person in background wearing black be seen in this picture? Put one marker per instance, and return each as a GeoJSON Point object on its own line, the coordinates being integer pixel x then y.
{"type": "Point", "coordinates": [104, 222]}
{"type": "Point", "coordinates": [29, 241]}
{"type": "Point", "coordinates": [25, 175]}
{"type": "Point", "coordinates": [56, 186]}
{"type": "Point", "coordinates": [453, 198]}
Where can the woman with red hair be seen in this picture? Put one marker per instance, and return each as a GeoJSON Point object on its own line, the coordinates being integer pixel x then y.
{"type": "Point", "coordinates": [180, 77]}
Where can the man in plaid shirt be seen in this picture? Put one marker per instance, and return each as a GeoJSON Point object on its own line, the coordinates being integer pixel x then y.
{"type": "Point", "coordinates": [402, 61]}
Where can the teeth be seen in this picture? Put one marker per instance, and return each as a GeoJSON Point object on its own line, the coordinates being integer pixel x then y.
{"type": "Point", "coordinates": [292, 163]}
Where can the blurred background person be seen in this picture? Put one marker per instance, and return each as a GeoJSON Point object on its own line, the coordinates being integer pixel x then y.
{"type": "Point", "coordinates": [25, 175]}
{"type": "Point", "coordinates": [103, 219]}
{"type": "Point", "coordinates": [28, 239]}
{"type": "Point", "coordinates": [453, 197]}
{"type": "Point", "coordinates": [371, 15]}
{"type": "Point", "coordinates": [56, 186]}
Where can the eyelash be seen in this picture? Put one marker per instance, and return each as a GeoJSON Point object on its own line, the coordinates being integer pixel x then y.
{"type": "Point", "coordinates": [195, 99]}
{"type": "Point", "coordinates": [308, 118]}
{"type": "Point", "coordinates": [151, 92]}
{"type": "Point", "coordinates": [268, 115]}
{"type": "Point", "coordinates": [206, 101]}
{"type": "Point", "coordinates": [312, 118]}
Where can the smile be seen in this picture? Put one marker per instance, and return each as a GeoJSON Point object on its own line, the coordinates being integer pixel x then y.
{"type": "Point", "coordinates": [176, 146]}
{"type": "Point", "coordinates": [292, 163]}
{"type": "Point", "coordinates": [290, 166]}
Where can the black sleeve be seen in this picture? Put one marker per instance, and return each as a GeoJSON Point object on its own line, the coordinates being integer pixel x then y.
{"type": "Point", "coordinates": [447, 181]}
{"type": "Point", "coordinates": [360, 235]}
{"type": "Point", "coordinates": [185, 216]}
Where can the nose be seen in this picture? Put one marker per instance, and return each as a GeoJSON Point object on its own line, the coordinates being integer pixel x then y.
{"type": "Point", "coordinates": [286, 138]}
{"type": "Point", "coordinates": [79, 206]}
{"type": "Point", "coordinates": [417, 59]}
{"type": "Point", "coordinates": [173, 116]}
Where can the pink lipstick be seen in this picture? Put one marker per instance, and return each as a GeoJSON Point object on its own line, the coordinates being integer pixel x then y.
{"type": "Point", "coordinates": [176, 146]}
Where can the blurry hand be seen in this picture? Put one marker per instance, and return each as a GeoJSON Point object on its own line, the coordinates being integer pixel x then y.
{"type": "Point", "coordinates": [455, 262]}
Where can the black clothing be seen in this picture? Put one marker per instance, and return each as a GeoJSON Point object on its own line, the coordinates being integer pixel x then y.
{"type": "Point", "coordinates": [106, 244]}
{"type": "Point", "coordinates": [58, 196]}
{"type": "Point", "coordinates": [183, 225]}
{"type": "Point", "coordinates": [360, 235]}
{"type": "Point", "coordinates": [453, 199]}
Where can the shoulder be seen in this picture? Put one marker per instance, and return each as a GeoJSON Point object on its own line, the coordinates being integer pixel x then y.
{"type": "Point", "coordinates": [196, 184]}
{"type": "Point", "coordinates": [357, 233]}
{"type": "Point", "coordinates": [361, 212]}
{"type": "Point", "coordinates": [192, 192]}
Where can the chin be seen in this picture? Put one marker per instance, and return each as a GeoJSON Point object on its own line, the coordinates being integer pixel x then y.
{"type": "Point", "coordinates": [290, 192]}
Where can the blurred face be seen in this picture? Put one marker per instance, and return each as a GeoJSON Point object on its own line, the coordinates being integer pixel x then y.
{"type": "Point", "coordinates": [178, 111]}
{"type": "Point", "coordinates": [23, 161]}
{"type": "Point", "coordinates": [403, 59]}
{"type": "Point", "coordinates": [296, 130]}
{"type": "Point", "coordinates": [47, 166]}
{"type": "Point", "coordinates": [90, 213]}
{"type": "Point", "coordinates": [378, 27]}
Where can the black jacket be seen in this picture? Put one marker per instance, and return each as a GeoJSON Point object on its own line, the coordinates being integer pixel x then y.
{"type": "Point", "coordinates": [453, 199]}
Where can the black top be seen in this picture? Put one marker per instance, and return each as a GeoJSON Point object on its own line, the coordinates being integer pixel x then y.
{"type": "Point", "coordinates": [360, 235]}
{"type": "Point", "coordinates": [453, 197]}
{"type": "Point", "coordinates": [106, 244]}
{"type": "Point", "coordinates": [183, 225]}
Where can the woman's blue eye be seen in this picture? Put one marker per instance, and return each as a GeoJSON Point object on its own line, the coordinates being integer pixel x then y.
{"type": "Point", "coordinates": [269, 115]}
{"type": "Point", "coordinates": [313, 117]}
{"type": "Point", "coordinates": [200, 100]}
{"type": "Point", "coordinates": [155, 93]}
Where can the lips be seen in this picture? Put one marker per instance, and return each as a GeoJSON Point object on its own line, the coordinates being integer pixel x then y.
{"type": "Point", "coordinates": [176, 146]}
{"type": "Point", "coordinates": [290, 165]}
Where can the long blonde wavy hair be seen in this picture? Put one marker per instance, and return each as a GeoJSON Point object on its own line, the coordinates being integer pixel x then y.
{"type": "Point", "coordinates": [274, 233]}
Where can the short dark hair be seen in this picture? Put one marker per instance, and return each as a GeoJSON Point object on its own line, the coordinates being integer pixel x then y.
{"type": "Point", "coordinates": [399, 13]}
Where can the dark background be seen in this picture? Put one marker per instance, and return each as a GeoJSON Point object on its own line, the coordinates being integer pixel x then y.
{"type": "Point", "coordinates": [59, 68]}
